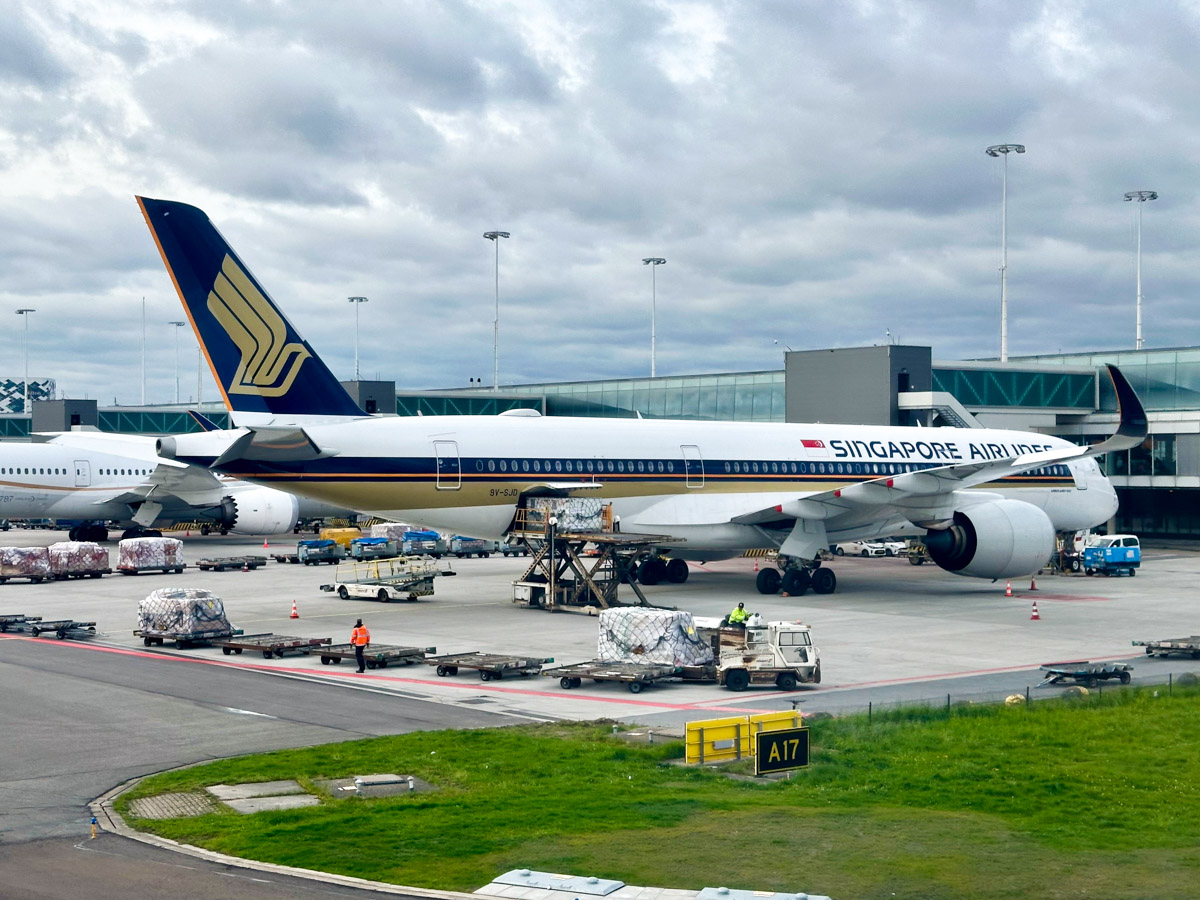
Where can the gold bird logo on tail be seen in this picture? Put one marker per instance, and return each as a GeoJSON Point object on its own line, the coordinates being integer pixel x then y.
{"type": "Point", "coordinates": [269, 364]}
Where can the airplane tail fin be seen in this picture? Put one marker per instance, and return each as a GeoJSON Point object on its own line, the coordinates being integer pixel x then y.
{"type": "Point", "coordinates": [261, 364]}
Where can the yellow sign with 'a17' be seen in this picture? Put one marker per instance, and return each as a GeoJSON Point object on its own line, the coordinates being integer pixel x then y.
{"type": "Point", "coordinates": [779, 751]}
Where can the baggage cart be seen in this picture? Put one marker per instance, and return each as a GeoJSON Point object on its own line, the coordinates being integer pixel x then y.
{"type": "Point", "coordinates": [315, 552]}
{"type": "Point", "coordinates": [62, 628]}
{"type": "Point", "coordinates": [224, 563]}
{"type": "Point", "coordinates": [1085, 673]}
{"type": "Point", "coordinates": [270, 645]}
{"type": "Point", "coordinates": [489, 665]}
{"type": "Point", "coordinates": [292, 558]}
{"type": "Point", "coordinates": [376, 656]}
{"type": "Point", "coordinates": [16, 619]}
{"type": "Point", "coordinates": [373, 548]}
{"type": "Point", "coordinates": [184, 639]}
{"type": "Point", "coordinates": [85, 573]}
{"type": "Point", "coordinates": [1185, 646]}
{"type": "Point", "coordinates": [141, 569]}
{"type": "Point", "coordinates": [635, 676]}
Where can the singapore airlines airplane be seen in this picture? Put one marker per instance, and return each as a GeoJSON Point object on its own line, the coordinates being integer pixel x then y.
{"type": "Point", "coordinates": [94, 477]}
{"type": "Point", "coordinates": [986, 502]}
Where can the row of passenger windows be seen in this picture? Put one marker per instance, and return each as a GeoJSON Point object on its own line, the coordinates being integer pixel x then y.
{"type": "Point", "coordinates": [736, 468]}
{"type": "Point", "coordinates": [17, 470]}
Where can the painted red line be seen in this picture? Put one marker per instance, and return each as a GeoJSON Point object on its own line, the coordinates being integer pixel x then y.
{"type": "Point", "coordinates": [922, 678]}
{"type": "Point", "coordinates": [372, 678]}
{"type": "Point", "coordinates": [1065, 598]}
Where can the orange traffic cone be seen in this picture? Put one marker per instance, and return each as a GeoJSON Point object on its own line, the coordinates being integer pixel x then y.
{"type": "Point", "coordinates": [756, 564]}
{"type": "Point", "coordinates": [265, 547]}
{"type": "Point", "coordinates": [1008, 589]}
{"type": "Point", "coordinates": [1032, 583]}
{"type": "Point", "coordinates": [295, 613]}
{"type": "Point", "coordinates": [1033, 616]}
{"type": "Point", "coordinates": [245, 567]}
{"type": "Point", "coordinates": [187, 533]}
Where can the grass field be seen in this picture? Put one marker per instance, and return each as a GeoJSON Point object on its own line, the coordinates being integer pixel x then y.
{"type": "Point", "coordinates": [1092, 798]}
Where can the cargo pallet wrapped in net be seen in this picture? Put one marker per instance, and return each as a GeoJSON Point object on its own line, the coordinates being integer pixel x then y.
{"type": "Point", "coordinates": [651, 636]}
{"type": "Point", "coordinates": [25, 562]}
{"type": "Point", "coordinates": [183, 615]}
{"type": "Point", "coordinates": [150, 554]}
{"type": "Point", "coordinates": [78, 559]}
{"type": "Point", "coordinates": [573, 513]}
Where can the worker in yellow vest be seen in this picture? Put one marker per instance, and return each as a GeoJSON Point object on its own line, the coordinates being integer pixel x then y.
{"type": "Point", "coordinates": [360, 638]}
{"type": "Point", "coordinates": [738, 616]}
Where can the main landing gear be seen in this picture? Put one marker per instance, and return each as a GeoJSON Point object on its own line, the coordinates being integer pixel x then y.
{"type": "Point", "coordinates": [92, 531]}
{"type": "Point", "coordinates": [796, 578]}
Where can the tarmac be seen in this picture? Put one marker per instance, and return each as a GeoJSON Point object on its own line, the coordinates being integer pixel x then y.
{"type": "Point", "coordinates": [892, 633]}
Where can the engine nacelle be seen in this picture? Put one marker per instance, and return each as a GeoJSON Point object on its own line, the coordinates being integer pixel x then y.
{"type": "Point", "coordinates": [999, 539]}
{"type": "Point", "coordinates": [259, 511]}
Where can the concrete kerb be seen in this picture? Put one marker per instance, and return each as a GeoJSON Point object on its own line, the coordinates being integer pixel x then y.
{"type": "Point", "coordinates": [111, 821]}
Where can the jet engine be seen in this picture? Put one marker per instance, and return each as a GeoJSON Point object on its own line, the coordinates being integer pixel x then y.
{"type": "Point", "coordinates": [997, 539]}
{"type": "Point", "coordinates": [259, 511]}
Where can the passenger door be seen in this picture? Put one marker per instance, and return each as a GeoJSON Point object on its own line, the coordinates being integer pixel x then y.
{"type": "Point", "coordinates": [449, 469]}
{"type": "Point", "coordinates": [693, 465]}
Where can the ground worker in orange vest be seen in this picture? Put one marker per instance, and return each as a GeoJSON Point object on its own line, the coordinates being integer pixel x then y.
{"type": "Point", "coordinates": [360, 638]}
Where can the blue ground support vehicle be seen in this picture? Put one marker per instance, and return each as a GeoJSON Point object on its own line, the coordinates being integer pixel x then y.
{"type": "Point", "coordinates": [313, 553]}
{"type": "Point", "coordinates": [1112, 554]}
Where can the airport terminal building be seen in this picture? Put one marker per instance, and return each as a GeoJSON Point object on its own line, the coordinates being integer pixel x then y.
{"type": "Point", "coordinates": [1068, 395]}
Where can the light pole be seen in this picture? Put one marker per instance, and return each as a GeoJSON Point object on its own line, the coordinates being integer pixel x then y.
{"type": "Point", "coordinates": [494, 237]}
{"type": "Point", "coordinates": [1003, 150]}
{"type": "Point", "coordinates": [1141, 197]}
{"type": "Point", "coordinates": [653, 262]}
{"type": "Point", "coordinates": [357, 301]}
{"type": "Point", "coordinates": [25, 312]}
{"type": "Point", "coordinates": [177, 325]}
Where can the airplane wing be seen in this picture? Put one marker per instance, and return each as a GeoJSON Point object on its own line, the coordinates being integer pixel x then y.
{"type": "Point", "coordinates": [172, 484]}
{"type": "Point", "coordinates": [916, 490]}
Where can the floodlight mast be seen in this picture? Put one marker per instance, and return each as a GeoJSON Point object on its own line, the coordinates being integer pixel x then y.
{"type": "Point", "coordinates": [357, 301]}
{"type": "Point", "coordinates": [1141, 197]}
{"type": "Point", "coordinates": [653, 262]}
{"type": "Point", "coordinates": [177, 325]}
{"type": "Point", "coordinates": [25, 312]}
{"type": "Point", "coordinates": [1003, 150]}
{"type": "Point", "coordinates": [494, 237]}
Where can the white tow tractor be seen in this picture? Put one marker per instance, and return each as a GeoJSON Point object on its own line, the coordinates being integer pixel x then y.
{"type": "Point", "coordinates": [779, 653]}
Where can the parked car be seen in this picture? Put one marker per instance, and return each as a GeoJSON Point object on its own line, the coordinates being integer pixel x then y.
{"type": "Point", "coordinates": [894, 548]}
{"type": "Point", "coordinates": [860, 548]}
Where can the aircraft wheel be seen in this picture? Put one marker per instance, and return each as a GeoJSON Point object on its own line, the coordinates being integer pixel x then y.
{"type": "Point", "coordinates": [768, 581]}
{"type": "Point", "coordinates": [651, 571]}
{"type": "Point", "coordinates": [677, 571]}
{"type": "Point", "coordinates": [795, 582]}
{"type": "Point", "coordinates": [824, 581]}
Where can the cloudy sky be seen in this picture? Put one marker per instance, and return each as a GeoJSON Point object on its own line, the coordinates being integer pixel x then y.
{"type": "Point", "coordinates": [814, 173]}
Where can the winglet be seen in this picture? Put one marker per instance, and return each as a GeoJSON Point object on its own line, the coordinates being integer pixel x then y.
{"type": "Point", "coordinates": [1133, 416]}
{"type": "Point", "coordinates": [259, 361]}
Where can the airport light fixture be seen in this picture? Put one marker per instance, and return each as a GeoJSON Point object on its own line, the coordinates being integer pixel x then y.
{"type": "Point", "coordinates": [177, 325]}
{"type": "Point", "coordinates": [1141, 197]}
{"type": "Point", "coordinates": [653, 262]}
{"type": "Point", "coordinates": [1003, 150]}
{"type": "Point", "coordinates": [494, 237]}
{"type": "Point", "coordinates": [25, 312]}
{"type": "Point", "coordinates": [357, 301]}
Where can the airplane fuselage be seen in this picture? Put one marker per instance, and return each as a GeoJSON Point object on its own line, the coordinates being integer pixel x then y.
{"type": "Point", "coordinates": [681, 478]}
